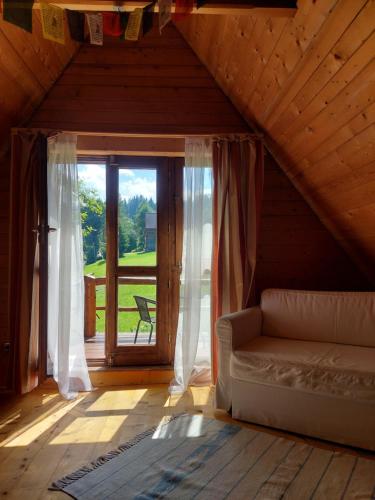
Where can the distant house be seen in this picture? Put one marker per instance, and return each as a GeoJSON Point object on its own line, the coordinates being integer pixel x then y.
{"type": "Point", "coordinates": [150, 232]}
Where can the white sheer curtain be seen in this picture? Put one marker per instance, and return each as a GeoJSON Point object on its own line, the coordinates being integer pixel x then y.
{"type": "Point", "coordinates": [193, 343]}
{"type": "Point", "coordinates": [66, 353]}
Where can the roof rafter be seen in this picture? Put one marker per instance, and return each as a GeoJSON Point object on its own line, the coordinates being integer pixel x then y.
{"type": "Point", "coordinates": [282, 8]}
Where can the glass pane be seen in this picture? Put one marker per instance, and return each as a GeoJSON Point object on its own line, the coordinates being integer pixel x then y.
{"type": "Point", "coordinates": [136, 314]}
{"type": "Point", "coordinates": [137, 213]}
{"type": "Point", "coordinates": [100, 313]}
{"type": "Point", "coordinates": [91, 179]}
{"type": "Point", "coordinates": [92, 197]}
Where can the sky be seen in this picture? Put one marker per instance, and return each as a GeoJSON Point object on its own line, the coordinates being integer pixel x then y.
{"type": "Point", "coordinates": [131, 182]}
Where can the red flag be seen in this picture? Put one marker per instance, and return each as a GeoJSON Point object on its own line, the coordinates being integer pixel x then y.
{"type": "Point", "coordinates": [112, 24]}
{"type": "Point", "coordinates": [183, 8]}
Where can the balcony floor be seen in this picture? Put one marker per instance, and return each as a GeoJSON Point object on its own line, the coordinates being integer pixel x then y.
{"type": "Point", "coordinates": [95, 346]}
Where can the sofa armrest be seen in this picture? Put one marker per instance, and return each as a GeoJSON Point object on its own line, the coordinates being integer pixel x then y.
{"type": "Point", "coordinates": [239, 327]}
{"type": "Point", "coordinates": [232, 331]}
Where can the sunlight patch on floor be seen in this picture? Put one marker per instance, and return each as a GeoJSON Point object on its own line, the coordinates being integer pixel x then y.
{"type": "Point", "coordinates": [29, 433]}
{"type": "Point", "coordinates": [10, 419]}
{"type": "Point", "coordinates": [90, 430]}
{"type": "Point", "coordinates": [201, 396]}
{"type": "Point", "coordinates": [124, 400]}
{"type": "Point", "coordinates": [190, 427]}
{"type": "Point", "coordinates": [173, 400]}
{"type": "Point", "coordinates": [198, 396]}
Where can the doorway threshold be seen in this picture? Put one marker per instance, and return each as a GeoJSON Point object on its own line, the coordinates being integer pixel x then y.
{"type": "Point", "coordinates": [130, 375]}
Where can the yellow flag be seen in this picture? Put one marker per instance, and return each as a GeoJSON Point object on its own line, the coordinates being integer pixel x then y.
{"type": "Point", "coordinates": [134, 25]}
{"type": "Point", "coordinates": [52, 22]}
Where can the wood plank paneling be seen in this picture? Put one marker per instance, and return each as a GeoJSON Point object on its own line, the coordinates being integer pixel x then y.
{"type": "Point", "coordinates": [156, 85]}
{"type": "Point", "coordinates": [309, 84]}
{"type": "Point", "coordinates": [134, 146]}
{"type": "Point", "coordinates": [295, 249]}
{"type": "Point", "coordinates": [6, 355]}
{"type": "Point", "coordinates": [29, 65]}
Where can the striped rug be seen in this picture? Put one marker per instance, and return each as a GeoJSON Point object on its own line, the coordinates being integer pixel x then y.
{"type": "Point", "coordinates": [194, 457]}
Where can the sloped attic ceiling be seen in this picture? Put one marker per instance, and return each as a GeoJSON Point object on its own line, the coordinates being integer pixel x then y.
{"type": "Point", "coordinates": [156, 85]}
{"type": "Point", "coordinates": [309, 83]}
{"type": "Point", "coordinates": [29, 66]}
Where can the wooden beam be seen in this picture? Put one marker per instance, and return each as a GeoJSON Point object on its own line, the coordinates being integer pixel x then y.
{"type": "Point", "coordinates": [134, 146]}
{"type": "Point", "coordinates": [284, 8]}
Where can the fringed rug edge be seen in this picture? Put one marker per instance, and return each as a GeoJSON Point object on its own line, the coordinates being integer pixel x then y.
{"type": "Point", "coordinates": [65, 481]}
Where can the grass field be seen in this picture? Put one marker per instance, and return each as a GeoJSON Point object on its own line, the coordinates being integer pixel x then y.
{"type": "Point", "coordinates": [127, 320]}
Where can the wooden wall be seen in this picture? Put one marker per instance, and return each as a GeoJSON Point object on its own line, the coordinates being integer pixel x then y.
{"type": "Point", "coordinates": [5, 355]}
{"type": "Point", "coordinates": [295, 249]}
{"type": "Point", "coordinates": [29, 65]}
{"type": "Point", "coordinates": [309, 83]}
{"type": "Point", "coordinates": [159, 86]}
{"type": "Point", "coordinates": [155, 85]}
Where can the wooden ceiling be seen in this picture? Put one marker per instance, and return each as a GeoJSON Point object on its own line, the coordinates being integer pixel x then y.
{"type": "Point", "coordinates": [29, 66]}
{"type": "Point", "coordinates": [154, 86]}
{"type": "Point", "coordinates": [309, 83]}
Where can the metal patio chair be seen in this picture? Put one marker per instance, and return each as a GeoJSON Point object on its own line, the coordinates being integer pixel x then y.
{"type": "Point", "coordinates": [144, 314]}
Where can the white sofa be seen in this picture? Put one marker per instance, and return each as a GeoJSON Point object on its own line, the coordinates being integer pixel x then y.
{"type": "Point", "coordinates": [303, 362]}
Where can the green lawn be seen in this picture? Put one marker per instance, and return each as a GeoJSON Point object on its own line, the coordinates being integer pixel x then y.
{"type": "Point", "coordinates": [127, 320]}
{"type": "Point", "coordinates": [131, 259]}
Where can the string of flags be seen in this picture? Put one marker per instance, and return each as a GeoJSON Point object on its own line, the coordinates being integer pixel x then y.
{"type": "Point", "coordinates": [129, 26]}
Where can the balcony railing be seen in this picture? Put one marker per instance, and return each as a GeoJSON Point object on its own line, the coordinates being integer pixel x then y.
{"type": "Point", "coordinates": [91, 307]}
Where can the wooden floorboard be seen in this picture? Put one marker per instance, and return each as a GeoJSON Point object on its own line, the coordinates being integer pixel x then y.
{"type": "Point", "coordinates": [95, 346]}
{"type": "Point", "coordinates": [43, 437]}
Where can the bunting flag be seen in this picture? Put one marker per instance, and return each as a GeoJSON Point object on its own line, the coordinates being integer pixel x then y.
{"type": "Point", "coordinates": [76, 23]}
{"type": "Point", "coordinates": [112, 24]}
{"type": "Point", "coordinates": [19, 12]}
{"type": "Point", "coordinates": [124, 17]}
{"type": "Point", "coordinates": [134, 25]}
{"type": "Point", "coordinates": [165, 13]}
{"type": "Point", "coordinates": [183, 9]}
{"type": "Point", "coordinates": [95, 24]}
{"type": "Point", "coordinates": [52, 22]}
{"type": "Point", "coordinates": [148, 17]}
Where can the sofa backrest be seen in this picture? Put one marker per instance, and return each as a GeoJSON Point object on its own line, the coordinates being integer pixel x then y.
{"type": "Point", "coordinates": [340, 317]}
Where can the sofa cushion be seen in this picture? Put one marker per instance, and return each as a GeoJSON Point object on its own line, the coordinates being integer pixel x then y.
{"type": "Point", "coordinates": [320, 367]}
{"type": "Point", "coordinates": [340, 317]}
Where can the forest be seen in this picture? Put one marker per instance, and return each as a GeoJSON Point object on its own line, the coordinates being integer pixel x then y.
{"type": "Point", "coordinates": [131, 223]}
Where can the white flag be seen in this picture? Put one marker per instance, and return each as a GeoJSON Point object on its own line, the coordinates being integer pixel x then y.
{"type": "Point", "coordinates": [95, 22]}
{"type": "Point", "coordinates": [165, 13]}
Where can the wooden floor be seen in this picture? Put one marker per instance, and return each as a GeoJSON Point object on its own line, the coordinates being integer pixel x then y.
{"type": "Point", "coordinates": [95, 347]}
{"type": "Point", "coordinates": [43, 437]}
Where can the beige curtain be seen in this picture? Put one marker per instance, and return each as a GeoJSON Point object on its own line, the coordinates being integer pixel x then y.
{"type": "Point", "coordinates": [28, 155]}
{"type": "Point", "coordinates": [238, 186]}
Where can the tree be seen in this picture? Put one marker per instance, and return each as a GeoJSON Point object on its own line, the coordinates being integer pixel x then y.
{"type": "Point", "coordinates": [93, 220]}
{"type": "Point", "coordinates": [121, 241]}
{"type": "Point", "coordinates": [140, 221]}
{"type": "Point", "coordinates": [127, 241]}
{"type": "Point", "coordinates": [130, 236]}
